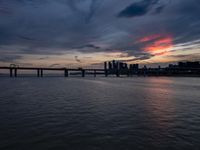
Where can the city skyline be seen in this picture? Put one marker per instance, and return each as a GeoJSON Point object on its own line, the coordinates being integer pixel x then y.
{"type": "Point", "coordinates": [85, 33]}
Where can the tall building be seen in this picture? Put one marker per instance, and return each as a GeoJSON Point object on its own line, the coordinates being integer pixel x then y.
{"type": "Point", "coordinates": [134, 66]}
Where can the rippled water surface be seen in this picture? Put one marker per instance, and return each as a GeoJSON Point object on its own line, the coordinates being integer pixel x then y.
{"type": "Point", "coordinates": [99, 114]}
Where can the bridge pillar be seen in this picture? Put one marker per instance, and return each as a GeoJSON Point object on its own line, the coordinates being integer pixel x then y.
{"type": "Point", "coordinates": [66, 73]}
{"type": "Point", "coordinates": [11, 72]}
{"type": "Point", "coordinates": [41, 72]}
{"type": "Point", "coordinates": [83, 73]}
{"type": "Point", "coordinates": [15, 73]}
{"type": "Point", "coordinates": [38, 72]}
{"type": "Point", "coordinates": [95, 73]}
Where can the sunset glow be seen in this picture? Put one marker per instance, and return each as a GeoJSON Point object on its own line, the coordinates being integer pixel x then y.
{"type": "Point", "coordinates": [157, 44]}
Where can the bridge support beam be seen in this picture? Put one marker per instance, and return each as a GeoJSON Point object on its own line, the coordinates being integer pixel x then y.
{"type": "Point", "coordinates": [66, 73]}
{"type": "Point", "coordinates": [15, 73]}
{"type": "Point", "coordinates": [38, 72]}
{"type": "Point", "coordinates": [41, 72]}
{"type": "Point", "coordinates": [83, 73]}
{"type": "Point", "coordinates": [11, 72]}
{"type": "Point", "coordinates": [95, 73]}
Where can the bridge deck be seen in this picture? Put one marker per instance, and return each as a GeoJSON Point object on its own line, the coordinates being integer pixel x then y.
{"type": "Point", "coordinates": [46, 68]}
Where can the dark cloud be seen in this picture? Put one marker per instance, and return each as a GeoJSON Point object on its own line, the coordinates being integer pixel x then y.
{"type": "Point", "coordinates": [138, 8]}
{"type": "Point", "coordinates": [10, 58]}
{"type": "Point", "coordinates": [43, 58]}
{"type": "Point", "coordinates": [4, 11]}
{"type": "Point", "coordinates": [92, 46]}
{"type": "Point", "coordinates": [92, 9]}
{"type": "Point", "coordinates": [159, 9]}
{"type": "Point", "coordinates": [139, 57]}
{"type": "Point", "coordinates": [26, 38]}
{"type": "Point", "coordinates": [77, 59]}
{"type": "Point", "coordinates": [88, 13]}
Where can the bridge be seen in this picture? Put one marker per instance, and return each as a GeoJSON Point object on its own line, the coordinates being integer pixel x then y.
{"type": "Point", "coordinates": [13, 71]}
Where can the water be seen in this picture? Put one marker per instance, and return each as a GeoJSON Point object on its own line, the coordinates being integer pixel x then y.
{"type": "Point", "coordinates": [99, 114]}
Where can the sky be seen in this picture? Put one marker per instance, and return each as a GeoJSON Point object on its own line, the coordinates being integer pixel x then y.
{"type": "Point", "coordinates": [85, 33]}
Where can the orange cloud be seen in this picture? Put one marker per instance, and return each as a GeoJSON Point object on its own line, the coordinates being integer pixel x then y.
{"type": "Point", "coordinates": [149, 38]}
{"type": "Point", "coordinates": [157, 44]}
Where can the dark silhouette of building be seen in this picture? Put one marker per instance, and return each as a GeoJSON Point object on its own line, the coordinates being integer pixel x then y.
{"type": "Point", "coordinates": [134, 66]}
{"type": "Point", "coordinates": [121, 68]}
{"type": "Point", "coordinates": [195, 64]}
{"type": "Point", "coordinates": [180, 69]}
